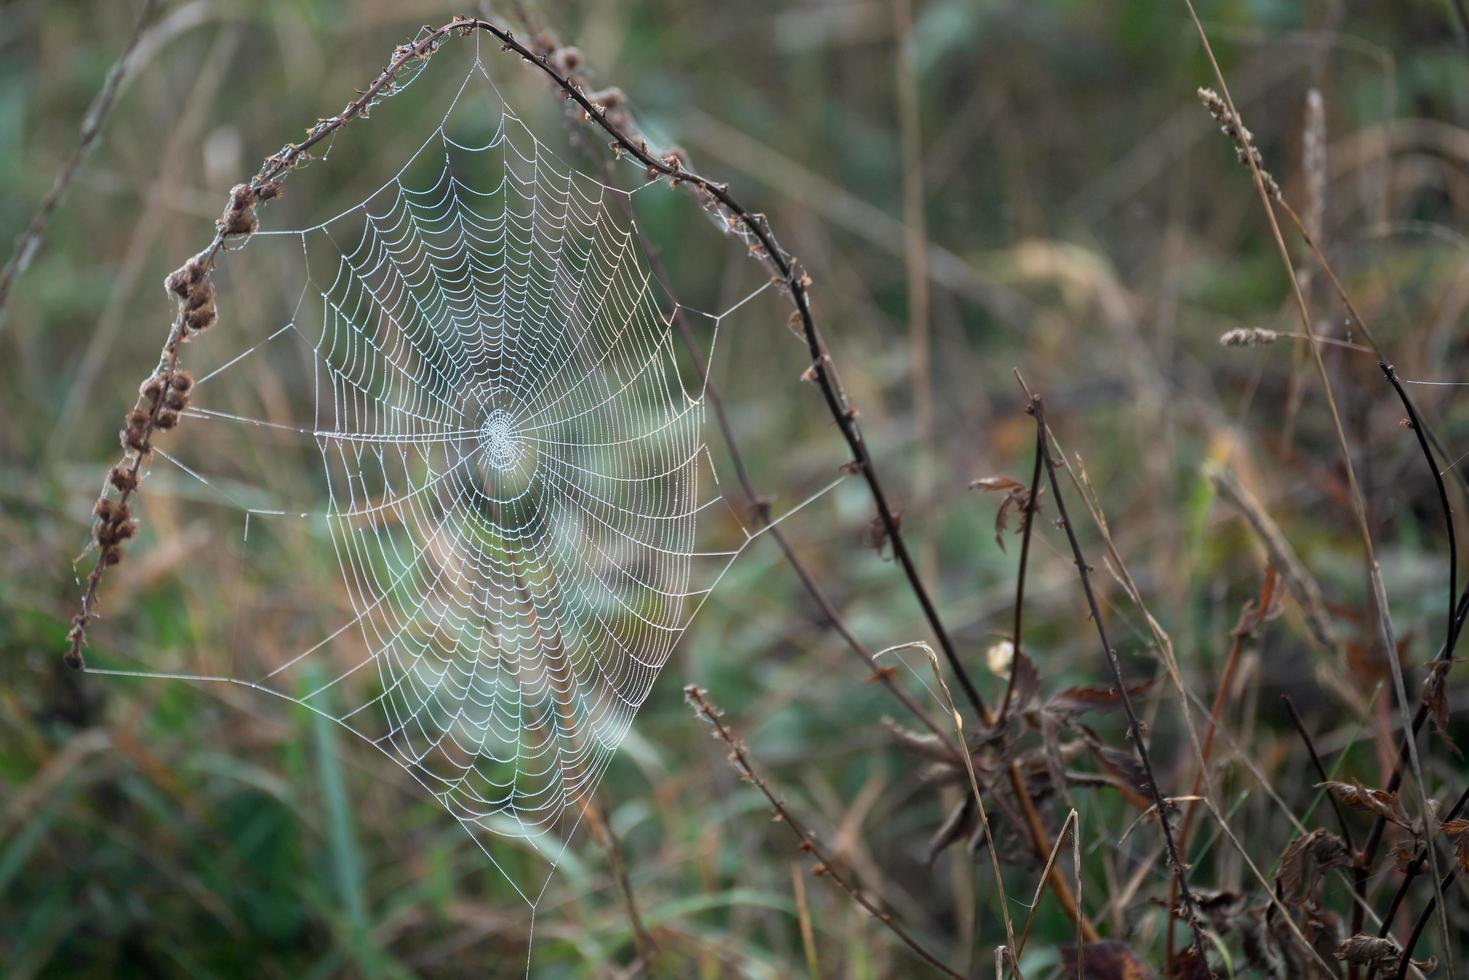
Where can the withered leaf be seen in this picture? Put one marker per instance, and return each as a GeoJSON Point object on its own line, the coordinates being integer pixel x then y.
{"type": "Point", "coordinates": [1027, 681]}
{"type": "Point", "coordinates": [1104, 960]}
{"type": "Point", "coordinates": [1375, 801]}
{"type": "Point", "coordinates": [1435, 699]}
{"type": "Point", "coordinates": [1379, 953]}
{"type": "Point", "coordinates": [1187, 965]}
{"type": "Point", "coordinates": [928, 745]}
{"type": "Point", "coordinates": [1307, 858]}
{"type": "Point", "coordinates": [1123, 766]}
{"type": "Point", "coordinates": [1458, 832]}
{"type": "Point", "coordinates": [956, 827]}
{"type": "Point", "coordinates": [1016, 495]}
{"type": "Point", "coordinates": [1406, 853]}
{"type": "Point", "coordinates": [1079, 700]}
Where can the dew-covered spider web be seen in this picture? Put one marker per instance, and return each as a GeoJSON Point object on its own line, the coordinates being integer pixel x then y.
{"type": "Point", "coordinates": [466, 429]}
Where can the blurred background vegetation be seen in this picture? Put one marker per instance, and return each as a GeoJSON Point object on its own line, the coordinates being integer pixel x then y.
{"type": "Point", "coordinates": [1079, 219]}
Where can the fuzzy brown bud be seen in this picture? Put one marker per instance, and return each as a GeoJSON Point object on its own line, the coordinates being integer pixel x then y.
{"type": "Point", "coordinates": [122, 478]}
{"type": "Point", "coordinates": [184, 278]}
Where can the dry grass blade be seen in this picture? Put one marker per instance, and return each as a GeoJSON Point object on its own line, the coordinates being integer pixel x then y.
{"type": "Point", "coordinates": [96, 117]}
{"type": "Point", "coordinates": [984, 820]}
{"type": "Point", "coordinates": [1301, 584]}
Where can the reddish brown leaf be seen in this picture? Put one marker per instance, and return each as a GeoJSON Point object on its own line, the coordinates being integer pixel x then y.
{"type": "Point", "coordinates": [1079, 700]}
{"type": "Point", "coordinates": [1458, 832]}
{"type": "Point", "coordinates": [1307, 858]}
{"type": "Point", "coordinates": [1105, 960]}
{"type": "Point", "coordinates": [1016, 496]}
{"type": "Point", "coordinates": [1381, 954]}
{"type": "Point", "coordinates": [1376, 801]}
{"type": "Point", "coordinates": [1027, 681]}
{"type": "Point", "coordinates": [1437, 701]}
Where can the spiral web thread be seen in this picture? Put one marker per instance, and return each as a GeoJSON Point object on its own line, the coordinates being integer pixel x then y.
{"type": "Point", "coordinates": [513, 473]}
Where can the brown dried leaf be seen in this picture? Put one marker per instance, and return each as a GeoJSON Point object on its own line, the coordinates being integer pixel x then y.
{"type": "Point", "coordinates": [1375, 801]}
{"type": "Point", "coordinates": [956, 827]}
{"type": "Point", "coordinates": [1016, 495]}
{"type": "Point", "coordinates": [1121, 765]}
{"type": "Point", "coordinates": [1458, 832]}
{"type": "Point", "coordinates": [1307, 858]}
{"type": "Point", "coordinates": [925, 744]}
{"type": "Point", "coordinates": [1079, 700]}
{"type": "Point", "coordinates": [1027, 681]}
{"type": "Point", "coordinates": [1437, 701]}
{"type": "Point", "coordinates": [1187, 965]}
{"type": "Point", "coordinates": [1105, 960]}
{"type": "Point", "coordinates": [1378, 953]}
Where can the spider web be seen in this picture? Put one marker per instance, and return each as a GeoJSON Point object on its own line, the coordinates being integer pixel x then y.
{"type": "Point", "coordinates": [475, 397]}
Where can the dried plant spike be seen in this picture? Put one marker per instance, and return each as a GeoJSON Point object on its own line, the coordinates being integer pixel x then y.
{"type": "Point", "coordinates": [1247, 337]}
{"type": "Point", "coordinates": [1313, 163]}
{"type": "Point", "coordinates": [1240, 136]}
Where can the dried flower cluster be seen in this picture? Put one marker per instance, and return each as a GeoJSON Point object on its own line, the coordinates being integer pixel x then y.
{"type": "Point", "coordinates": [1248, 337]}
{"type": "Point", "coordinates": [1239, 134]}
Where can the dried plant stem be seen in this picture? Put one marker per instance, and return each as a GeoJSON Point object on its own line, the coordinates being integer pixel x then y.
{"type": "Point", "coordinates": [1250, 618]}
{"type": "Point", "coordinates": [1031, 502]}
{"type": "Point", "coordinates": [1322, 776]}
{"type": "Point", "coordinates": [599, 821]}
{"type": "Point", "coordinates": [1161, 806]}
{"type": "Point", "coordinates": [1070, 903]}
{"type": "Point", "coordinates": [148, 411]}
{"type": "Point", "coordinates": [1072, 826]}
{"type": "Point", "coordinates": [915, 243]}
{"type": "Point", "coordinates": [1416, 424]}
{"type": "Point", "coordinates": [1414, 869]}
{"type": "Point", "coordinates": [1120, 572]}
{"type": "Point", "coordinates": [758, 505]}
{"type": "Point", "coordinates": [30, 239]}
{"type": "Point", "coordinates": [786, 268]}
{"type": "Point", "coordinates": [739, 757]}
{"type": "Point", "coordinates": [1359, 508]}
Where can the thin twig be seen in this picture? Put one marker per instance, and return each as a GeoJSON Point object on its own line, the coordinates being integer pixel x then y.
{"type": "Point", "coordinates": [30, 240]}
{"type": "Point", "coordinates": [1416, 424]}
{"type": "Point", "coordinates": [1161, 806]}
{"type": "Point", "coordinates": [1321, 773]}
{"type": "Point", "coordinates": [739, 757]}
{"type": "Point", "coordinates": [1250, 618]}
{"type": "Point", "coordinates": [1025, 534]}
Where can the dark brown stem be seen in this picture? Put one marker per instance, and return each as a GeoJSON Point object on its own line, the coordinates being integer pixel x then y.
{"type": "Point", "coordinates": [1416, 868]}
{"type": "Point", "coordinates": [1250, 618]}
{"type": "Point", "coordinates": [1421, 923]}
{"type": "Point", "coordinates": [1443, 495]}
{"type": "Point", "coordinates": [785, 266]}
{"type": "Point", "coordinates": [739, 757]}
{"type": "Point", "coordinates": [1030, 509]}
{"type": "Point", "coordinates": [1161, 806]}
{"type": "Point", "coordinates": [1457, 611]}
{"type": "Point", "coordinates": [1341, 818]}
{"type": "Point", "coordinates": [758, 505]}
